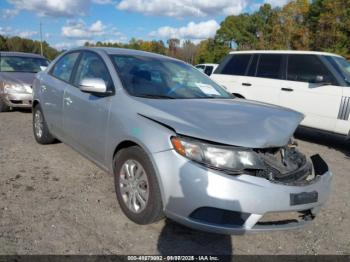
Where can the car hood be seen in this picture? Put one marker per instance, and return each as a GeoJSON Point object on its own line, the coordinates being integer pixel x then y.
{"type": "Point", "coordinates": [227, 121]}
{"type": "Point", "coordinates": [18, 78]}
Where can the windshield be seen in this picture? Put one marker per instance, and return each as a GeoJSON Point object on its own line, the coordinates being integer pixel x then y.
{"type": "Point", "coordinates": [164, 78]}
{"type": "Point", "coordinates": [22, 64]}
{"type": "Point", "coordinates": [342, 66]}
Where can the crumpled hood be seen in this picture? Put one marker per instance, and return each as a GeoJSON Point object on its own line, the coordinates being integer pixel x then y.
{"type": "Point", "coordinates": [19, 78]}
{"type": "Point", "coordinates": [228, 121]}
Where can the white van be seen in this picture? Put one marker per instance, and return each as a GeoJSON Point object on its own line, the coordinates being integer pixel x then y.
{"type": "Point", "coordinates": [316, 84]}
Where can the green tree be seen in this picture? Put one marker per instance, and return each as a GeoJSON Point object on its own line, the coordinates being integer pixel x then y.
{"type": "Point", "coordinates": [239, 29]}
{"type": "Point", "coordinates": [329, 22]}
{"type": "Point", "coordinates": [211, 51]}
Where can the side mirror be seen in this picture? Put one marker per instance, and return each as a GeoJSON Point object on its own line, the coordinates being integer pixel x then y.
{"type": "Point", "coordinates": [93, 85]}
{"type": "Point", "coordinates": [320, 80]}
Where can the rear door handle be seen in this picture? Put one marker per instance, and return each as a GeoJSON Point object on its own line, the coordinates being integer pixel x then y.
{"type": "Point", "coordinates": [287, 89]}
{"type": "Point", "coordinates": [246, 84]}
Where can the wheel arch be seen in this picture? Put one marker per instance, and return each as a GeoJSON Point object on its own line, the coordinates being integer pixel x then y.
{"type": "Point", "coordinates": [129, 143]}
{"type": "Point", "coordinates": [35, 103]}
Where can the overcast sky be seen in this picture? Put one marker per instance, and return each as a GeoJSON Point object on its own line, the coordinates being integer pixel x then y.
{"type": "Point", "coordinates": [70, 23]}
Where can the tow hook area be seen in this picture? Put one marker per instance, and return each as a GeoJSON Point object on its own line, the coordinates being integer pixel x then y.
{"type": "Point", "coordinates": [320, 166]}
{"type": "Point", "coordinates": [307, 215]}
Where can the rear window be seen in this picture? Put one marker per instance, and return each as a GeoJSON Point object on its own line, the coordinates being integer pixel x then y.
{"type": "Point", "coordinates": [234, 65]}
{"type": "Point", "coordinates": [270, 66]}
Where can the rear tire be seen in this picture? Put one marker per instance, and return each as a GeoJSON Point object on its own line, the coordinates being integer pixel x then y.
{"type": "Point", "coordinates": [3, 106]}
{"type": "Point", "coordinates": [41, 131]}
{"type": "Point", "coordinates": [137, 187]}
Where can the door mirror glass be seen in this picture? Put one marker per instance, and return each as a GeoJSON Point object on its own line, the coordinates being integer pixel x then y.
{"type": "Point", "coordinates": [93, 85]}
{"type": "Point", "coordinates": [320, 80]}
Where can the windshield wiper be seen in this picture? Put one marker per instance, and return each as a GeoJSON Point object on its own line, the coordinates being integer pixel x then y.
{"type": "Point", "coordinates": [156, 96]}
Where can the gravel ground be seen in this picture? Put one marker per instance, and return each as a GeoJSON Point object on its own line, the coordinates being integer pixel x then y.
{"type": "Point", "coordinates": [53, 201]}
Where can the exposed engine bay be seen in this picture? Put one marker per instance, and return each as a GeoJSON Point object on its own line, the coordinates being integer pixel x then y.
{"type": "Point", "coordinates": [285, 165]}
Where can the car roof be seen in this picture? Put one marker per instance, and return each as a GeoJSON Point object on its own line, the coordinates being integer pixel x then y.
{"type": "Point", "coordinates": [283, 52]}
{"type": "Point", "coordinates": [123, 51]}
{"type": "Point", "coordinates": [22, 54]}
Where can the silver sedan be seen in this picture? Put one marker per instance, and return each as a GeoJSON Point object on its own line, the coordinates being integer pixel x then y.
{"type": "Point", "coordinates": [17, 72]}
{"type": "Point", "coordinates": [178, 144]}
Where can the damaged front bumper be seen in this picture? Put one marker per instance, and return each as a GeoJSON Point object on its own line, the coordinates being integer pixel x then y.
{"type": "Point", "coordinates": [213, 201]}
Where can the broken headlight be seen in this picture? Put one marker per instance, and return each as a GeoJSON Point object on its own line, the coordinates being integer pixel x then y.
{"type": "Point", "coordinates": [217, 156]}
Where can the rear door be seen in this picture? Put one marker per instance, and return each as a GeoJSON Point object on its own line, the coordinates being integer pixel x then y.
{"type": "Point", "coordinates": [319, 102]}
{"type": "Point", "coordinates": [264, 76]}
{"type": "Point", "coordinates": [85, 115]}
{"type": "Point", "coordinates": [52, 88]}
{"type": "Point", "coordinates": [231, 71]}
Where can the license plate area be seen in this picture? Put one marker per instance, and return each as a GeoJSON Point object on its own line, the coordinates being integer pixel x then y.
{"type": "Point", "coordinates": [303, 198]}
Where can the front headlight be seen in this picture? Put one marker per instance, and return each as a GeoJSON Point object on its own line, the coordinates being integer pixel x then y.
{"type": "Point", "coordinates": [216, 156]}
{"type": "Point", "coordinates": [14, 88]}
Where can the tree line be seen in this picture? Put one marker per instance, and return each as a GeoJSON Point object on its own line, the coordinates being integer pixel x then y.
{"type": "Point", "coordinates": [320, 25]}
{"type": "Point", "coordinates": [18, 44]}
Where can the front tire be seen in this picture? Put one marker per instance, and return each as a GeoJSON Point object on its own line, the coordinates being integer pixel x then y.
{"type": "Point", "coordinates": [137, 187]}
{"type": "Point", "coordinates": [41, 131]}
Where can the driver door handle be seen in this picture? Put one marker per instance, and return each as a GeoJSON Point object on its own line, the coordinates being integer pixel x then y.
{"type": "Point", "coordinates": [67, 100]}
{"type": "Point", "coordinates": [246, 84]}
{"type": "Point", "coordinates": [287, 89]}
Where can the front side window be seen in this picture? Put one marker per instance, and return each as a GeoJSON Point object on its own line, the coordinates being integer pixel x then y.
{"type": "Point", "coordinates": [164, 78]}
{"type": "Point", "coordinates": [64, 66]}
{"type": "Point", "coordinates": [234, 65]}
{"type": "Point", "coordinates": [22, 64]}
{"type": "Point", "coordinates": [92, 66]}
{"type": "Point", "coordinates": [270, 66]}
{"type": "Point", "coordinates": [306, 68]}
{"type": "Point", "coordinates": [342, 66]}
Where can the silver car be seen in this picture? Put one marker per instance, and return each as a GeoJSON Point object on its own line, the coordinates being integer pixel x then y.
{"type": "Point", "coordinates": [17, 71]}
{"type": "Point", "coordinates": [178, 144]}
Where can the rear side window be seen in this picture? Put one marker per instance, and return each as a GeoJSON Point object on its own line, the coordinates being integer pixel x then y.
{"type": "Point", "coordinates": [305, 68]}
{"type": "Point", "coordinates": [270, 66]}
{"type": "Point", "coordinates": [208, 70]}
{"type": "Point", "coordinates": [64, 66]}
{"type": "Point", "coordinates": [234, 65]}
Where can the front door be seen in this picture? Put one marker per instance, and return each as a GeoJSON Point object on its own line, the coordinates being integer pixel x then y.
{"type": "Point", "coordinates": [85, 115]}
{"type": "Point", "coordinates": [319, 102]}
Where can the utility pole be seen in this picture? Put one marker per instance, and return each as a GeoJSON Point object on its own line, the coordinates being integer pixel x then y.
{"type": "Point", "coordinates": [41, 39]}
